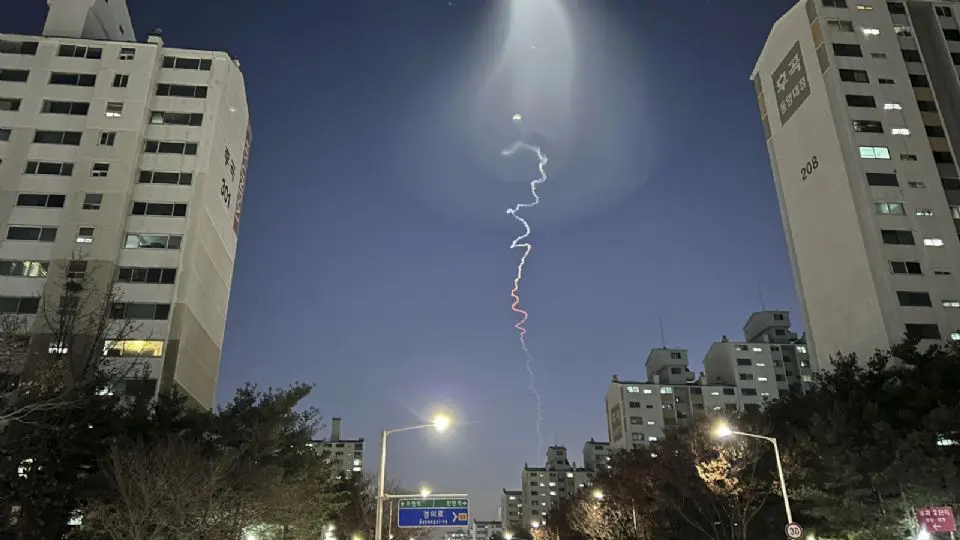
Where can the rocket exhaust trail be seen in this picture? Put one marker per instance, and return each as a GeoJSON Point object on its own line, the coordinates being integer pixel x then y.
{"type": "Point", "coordinates": [519, 243]}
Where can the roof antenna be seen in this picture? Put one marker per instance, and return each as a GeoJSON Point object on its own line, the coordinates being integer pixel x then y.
{"type": "Point", "coordinates": [663, 336]}
{"type": "Point", "coordinates": [763, 306]}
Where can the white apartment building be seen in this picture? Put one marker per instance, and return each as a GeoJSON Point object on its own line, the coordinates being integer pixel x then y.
{"type": "Point", "coordinates": [596, 455]}
{"type": "Point", "coordinates": [485, 530]}
{"type": "Point", "coordinates": [132, 156]}
{"type": "Point", "coordinates": [737, 376]}
{"type": "Point", "coordinates": [511, 509]}
{"type": "Point", "coordinates": [858, 100]}
{"type": "Point", "coordinates": [346, 455]}
{"type": "Point", "coordinates": [544, 486]}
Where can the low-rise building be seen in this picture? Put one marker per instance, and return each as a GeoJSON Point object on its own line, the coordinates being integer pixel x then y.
{"type": "Point", "coordinates": [485, 530]}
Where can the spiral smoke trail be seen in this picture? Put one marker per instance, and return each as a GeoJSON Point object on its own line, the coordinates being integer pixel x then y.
{"type": "Point", "coordinates": [518, 242]}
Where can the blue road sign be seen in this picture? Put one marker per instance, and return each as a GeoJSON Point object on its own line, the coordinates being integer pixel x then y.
{"type": "Point", "coordinates": [433, 513]}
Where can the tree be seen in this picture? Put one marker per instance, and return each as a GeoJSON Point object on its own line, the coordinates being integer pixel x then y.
{"type": "Point", "coordinates": [358, 517]}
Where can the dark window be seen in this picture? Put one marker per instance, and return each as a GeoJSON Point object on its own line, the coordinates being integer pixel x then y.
{"type": "Point", "coordinates": [886, 81]}
{"type": "Point", "coordinates": [181, 90]}
{"type": "Point", "coordinates": [835, 3]}
{"type": "Point", "coordinates": [159, 177]}
{"type": "Point", "coordinates": [944, 11]}
{"type": "Point", "coordinates": [9, 104]}
{"type": "Point", "coordinates": [950, 183]}
{"type": "Point", "coordinates": [857, 100]}
{"type": "Point", "coordinates": [172, 62]}
{"type": "Point", "coordinates": [28, 48]}
{"type": "Point", "coordinates": [911, 55]}
{"type": "Point", "coordinates": [65, 107]}
{"type": "Point", "coordinates": [41, 200]}
{"type": "Point", "coordinates": [147, 275]}
{"type": "Point", "coordinates": [176, 119]}
{"type": "Point", "coordinates": [919, 81]}
{"type": "Point", "coordinates": [20, 305]}
{"type": "Point", "coordinates": [744, 362]}
{"type": "Point", "coordinates": [923, 331]}
{"type": "Point", "coordinates": [50, 168]}
{"type": "Point", "coordinates": [896, 7]}
{"type": "Point", "coordinates": [748, 391]}
{"type": "Point", "coordinates": [92, 201]}
{"type": "Point", "coordinates": [166, 147]}
{"type": "Point", "coordinates": [24, 268]}
{"type": "Point", "coordinates": [867, 126]}
{"type": "Point", "coordinates": [729, 392]}
{"type": "Point", "coordinates": [159, 209]}
{"type": "Point", "coordinates": [14, 75]}
{"type": "Point", "coordinates": [132, 310]}
{"type": "Point", "coordinates": [71, 138]}
{"type": "Point", "coordinates": [951, 34]}
{"type": "Point", "coordinates": [152, 241]}
{"type": "Point", "coordinates": [5, 134]}
{"type": "Point", "coordinates": [914, 299]}
{"type": "Point", "coordinates": [905, 267]}
{"type": "Point", "coordinates": [897, 237]}
{"type": "Point", "coordinates": [73, 79]}
{"type": "Point", "coordinates": [35, 234]}
{"type": "Point", "coordinates": [955, 57]}
{"type": "Point", "coordinates": [927, 106]}
{"type": "Point", "coordinates": [79, 51]}
{"type": "Point", "coordinates": [934, 131]}
{"type": "Point", "coordinates": [120, 80]}
{"type": "Point", "coordinates": [847, 49]}
{"type": "Point", "coordinates": [882, 179]}
{"type": "Point", "coordinates": [942, 157]}
{"type": "Point", "coordinates": [854, 75]}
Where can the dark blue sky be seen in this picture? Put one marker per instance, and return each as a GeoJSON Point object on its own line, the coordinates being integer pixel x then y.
{"type": "Point", "coordinates": [374, 260]}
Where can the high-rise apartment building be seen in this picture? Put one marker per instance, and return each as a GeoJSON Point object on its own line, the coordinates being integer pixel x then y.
{"type": "Point", "coordinates": [131, 156]}
{"type": "Point", "coordinates": [859, 105]}
{"type": "Point", "coordinates": [346, 455]}
{"type": "Point", "coordinates": [511, 509]}
{"type": "Point", "coordinates": [544, 486]}
{"type": "Point", "coordinates": [596, 455]}
{"type": "Point", "coordinates": [737, 376]}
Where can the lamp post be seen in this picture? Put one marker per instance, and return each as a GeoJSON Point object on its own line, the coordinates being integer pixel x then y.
{"type": "Point", "coordinates": [440, 423]}
{"type": "Point", "coordinates": [724, 431]}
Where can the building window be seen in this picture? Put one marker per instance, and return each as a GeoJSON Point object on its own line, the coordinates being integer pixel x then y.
{"type": "Point", "coordinates": [899, 131]}
{"type": "Point", "coordinates": [744, 362]}
{"type": "Point", "coordinates": [897, 237]}
{"type": "Point", "coordinates": [107, 138]}
{"type": "Point", "coordinates": [41, 200]}
{"type": "Point", "coordinates": [847, 49]}
{"type": "Point", "coordinates": [173, 62]}
{"type": "Point", "coordinates": [165, 147]}
{"type": "Point", "coordinates": [854, 75]}
{"type": "Point", "coordinates": [142, 311]}
{"type": "Point", "coordinates": [73, 79]}
{"type": "Point", "coordinates": [914, 299]}
{"type": "Point", "coordinates": [858, 100]}
{"type": "Point", "coordinates": [171, 178]}
{"type": "Point", "coordinates": [5, 134]}
{"type": "Point", "coordinates": [952, 304]}
{"type": "Point", "coordinates": [887, 106]}
{"type": "Point", "coordinates": [882, 179]}
{"type": "Point", "coordinates": [114, 109]}
{"type": "Point", "coordinates": [14, 75]}
{"type": "Point", "coordinates": [955, 212]}
{"type": "Point", "coordinates": [30, 233]}
{"type": "Point", "coordinates": [120, 80]}
{"type": "Point", "coordinates": [24, 268]}
{"type": "Point", "coordinates": [133, 348]}
{"type": "Point", "coordinates": [924, 212]}
{"type": "Point", "coordinates": [75, 108]}
{"type": "Point", "coordinates": [933, 242]}
{"type": "Point", "coordinates": [181, 90]}
{"type": "Point", "coordinates": [28, 48]}
{"type": "Point", "coordinates": [923, 331]}
{"type": "Point", "coordinates": [926, 106]}
{"type": "Point", "coordinates": [918, 185]}
{"type": "Point", "coordinates": [905, 267]}
{"type": "Point", "coordinates": [85, 235]}
{"type": "Point", "coordinates": [840, 25]}
{"type": "Point", "coordinates": [911, 55]}
{"type": "Point", "coordinates": [835, 3]}
{"type": "Point", "coordinates": [903, 31]}
{"type": "Point", "coordinates": [867, 126]}
{"type": "Point", "coordinates": [70, 138]}
{"type": "Point", "coordinates": [153, 241]}
{"type": "Point", "coordinates": [944, 11]}
{"type": "Point", "coordinates": [100, 170]}
{"type": "Point", "coordinates": [126, 53]}
{"type": "Point", "coordinates": [77, 51]}
{"type": "Point", "coordinates": [874, 152]}
{"type": "Point", "coordinates": [92, 201]}
{"type": "Point", "coordinates": [164, 276]}
{"type": "Point", "coordinates": [159, 209]}
{"type": "Point", "coordinates": [676, 356]}
{"type": "Point", "coordinates": [636, 420]}
{"type": "Point", "coordinates": [951, 34]}
{"type": "Point", "coordinates": [919, 81]}
{"type": "Point", "coordinates": [942, 157]}
{"type": "Point", "coordinates": [883, 80]}
{"type": "Point", "coordinates": [889, 208]}
{"type": "Point", "coordinates": [9, 104]}
{"type": "Point", "coordinates": [48, 168]}
{"type": "Point", "coordinates": [934, 131]}
{"type": "Point", "coordinates": [176, 119]}
{"type": "Point", "coordinates": [19, 305]}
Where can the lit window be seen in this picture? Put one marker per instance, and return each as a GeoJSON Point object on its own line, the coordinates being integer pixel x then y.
{"type": "Point", "coordinates": [357, 469]}
{"type": "Point", "coordinates": [904, 31]}
{"type": "Point", "coordinates": [356, 463]}
{"type": "Point", "coordinates": [569, 475]}
{"type": "Point", "coordinates": [633, 389]}
{"type": "Point", "coordinates": [714, 393]}
{"type": "Point", "coordinates": [760, 364]}
{"type": "Point", "coordinates": [651, 423]}
{"type": "Point", "coordinates": [647, 391]}
{"type": "Point", "coordinates": [924, 212]}
{"type": "Point", "coordinates": [806, 378]}
{"type": "Point", "coordinates": [892, 107]}
{"type": "Point", "coordinates": [890, 208]}
{"type": "Point", "coordinates": [652, 439]}
{"type": "Point", "coordinates": [899, 131]}
{"type": "Point", "coordinates": [801, 349]}
{"type": "Point", "coordinates": [874, 152]}
{"type": "Point", "coordinates": [933, 242]}
{"type": "Point", "coordinates": [871, 31]}
{"type": "Point", "coordinates": [134, 347]}
{"type": "Point", "coordinates": [955, 336]}
{"type": "Point", "coordinates": [85, 235]}
{"type": "Point", "coordinates": [864, 7]}
{"type": "Point", "coordinates": [762, 379]}
{"type": "Point", "coordinates": [764, 394]}
{"type": "Point", "coordinates": [666, 389]}
{"type": "Point", "coordinates": [757, 349]}
{"type": "Point", "coordinates": [955, 212]}
{"type": "Point", "coordinates": [951, 303]}
{"type": "Point", "coordinates": [114, 109]}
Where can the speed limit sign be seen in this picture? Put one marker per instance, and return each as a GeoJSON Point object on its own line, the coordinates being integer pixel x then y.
{"type": "Point", "coordinates": [794, 531]}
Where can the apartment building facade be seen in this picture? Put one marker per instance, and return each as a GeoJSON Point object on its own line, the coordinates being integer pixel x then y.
{"type": "Point", "coordinates": [511, 509]}
{"type": "Point", "coordinates": [346, 455]}
{"type": "Point", "coordinates": [126, 160]}
{"type": "Point", "coordinates": [859, 105]}
{"type": "Point", "coordinates": [485, 530]}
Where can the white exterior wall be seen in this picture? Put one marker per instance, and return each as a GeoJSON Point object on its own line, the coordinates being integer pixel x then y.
{"type": "Point", "coordinates": [841, 266]}
{"type": "Point", "coordinates": [194, 330]}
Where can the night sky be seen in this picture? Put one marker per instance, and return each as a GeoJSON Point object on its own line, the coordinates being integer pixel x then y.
{"type": "Point", "coordinates": [374, 256]}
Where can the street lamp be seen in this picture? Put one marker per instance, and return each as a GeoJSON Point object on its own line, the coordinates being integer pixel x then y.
{"type": "Point", "coordinates": [723, 431]}
{"type": "Point", "coordinates": [425, 492]}
{"type": "Point", "coordinates": [508, 535]}
{"type": "Point", "coordinates": [440, 423]}
{"type": "Point", "coordinates": [597, 494]}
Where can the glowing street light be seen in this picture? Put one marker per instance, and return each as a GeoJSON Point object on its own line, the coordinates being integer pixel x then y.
{"type": "Point", "coordinates": [425, 492]}
{"type": "Point", "coordinates": [723, 431]}
{"type": "Point", "coordinates": [597, 494]}
{"type": "Point", "coordinates": [440, 423]}
{"type": "Point", "coordinates": [507, 535]}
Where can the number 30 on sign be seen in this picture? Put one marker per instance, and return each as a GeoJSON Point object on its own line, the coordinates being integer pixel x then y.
{"type": "Point", "coordinates": [807, 170]}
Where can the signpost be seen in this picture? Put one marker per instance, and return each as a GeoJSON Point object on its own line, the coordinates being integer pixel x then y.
{"type": "Point", "coordinates": [794, 531]}
{"type": "Point", "coordinates": [437, 512]}
{"type": "Point", "coordinates": [937, 519]}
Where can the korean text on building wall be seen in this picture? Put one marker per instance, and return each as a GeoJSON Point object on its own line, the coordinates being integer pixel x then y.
{"type": "Point", "coordinates": [790, 83]}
